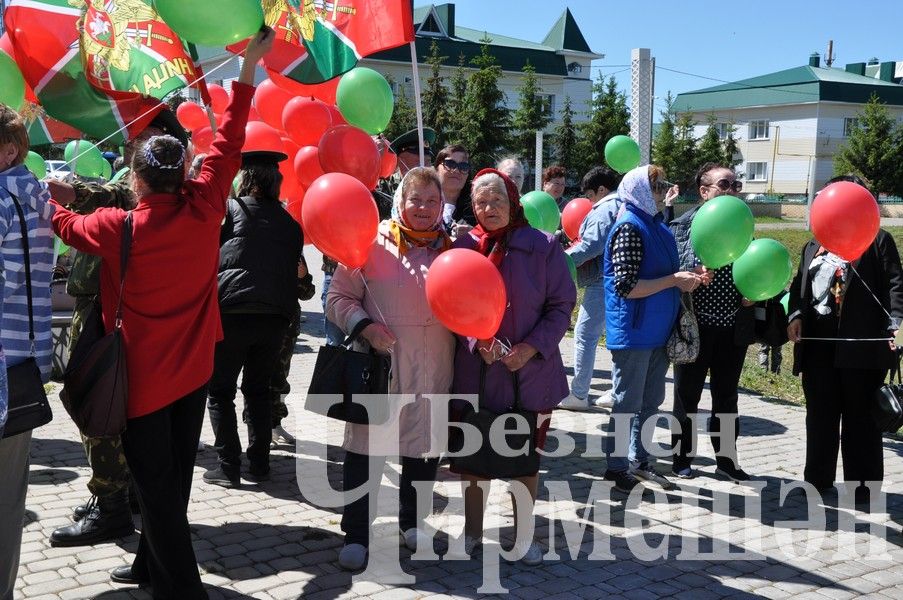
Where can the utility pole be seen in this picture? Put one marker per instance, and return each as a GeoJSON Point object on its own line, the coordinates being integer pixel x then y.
{"type": "Point", "coordinates": [641, 97]}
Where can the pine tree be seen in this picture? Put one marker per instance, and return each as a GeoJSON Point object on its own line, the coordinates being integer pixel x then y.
{"type": "Point", "coordinates": [731, 157]}
{"type": "Point", "coordinates": [457, 102]}
{"type": "Point", "coordinates": [874, 150]}
{"type": "Point", "coordinates": [664, 146]}
{"type": "Point", "coordinates": [532, 115]}
{"type": "Point", "coordinates": [565, 139]}
{"type": "Point", "coordinates": [710, 149]}
{"type": "Point", "coordinates": [484, 116]}
{"type": "Point", "coordinates": [683, 172]}
{"type": "Point", "coordinates": [404, 115]}
{"type": "Point", "coordinates": [436, 97]}
{"type": "Point", "coordinates": [608, 117]}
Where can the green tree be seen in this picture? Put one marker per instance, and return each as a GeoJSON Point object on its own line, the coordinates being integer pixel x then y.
{"type": "Point", "coordinates": [683, 172]}
{"type": "Point", "coordinates": [565, 139]}
{"type": "Point", "coordinates": [532, 115]}
{"type": "Point", "coordinates": [436, 97]}
{"type": "Point", "coordinates": [484, 117]}
{"type": "Point", "coordinates": [710, 149]}
{"type": "Point", "coordinates": [404, 115]}
{"type": "Point", "coordinates": [731, 157]}
{"type": "Point", "coordinates": [457, 102]}
{"type": "Point", "coordinates": [608, 117]}
{"type": "Point", "coordinates": [664, 146]}
{"type": "Point", "coordinates": [874, 150]}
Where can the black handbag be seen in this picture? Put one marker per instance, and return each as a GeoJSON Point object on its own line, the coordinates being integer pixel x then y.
{"type": "Point", "coordinates": [487, 462]}
{"type": "Point", "coordinates": [341, 371]}
{"type": "Point", "coordinates": [887, 409]}
{"type": "Point", "coordinates": [28, 405]}
{"type": "Point", "coordinates": [95, 384]}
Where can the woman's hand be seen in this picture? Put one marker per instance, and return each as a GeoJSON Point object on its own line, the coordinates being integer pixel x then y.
{"type": "Point", "coordinates": [795, 330]}
{"type": "Point", "coordinates": [259, 45]}
{"type": "Point", "coordinates": [672, 193]}
{"type": "Point", "coordinates": [518, 356]}
{"type": "Point", "coordinates": [490, 350]}
{"type": "Point", "coordinates": [461, 229]}
{"type": "Point", "coordinates": [687, 281]}
{"type": "Point", "coordinates": [706, 276]}
{"type": "Point", "coordinates": [380, 338]}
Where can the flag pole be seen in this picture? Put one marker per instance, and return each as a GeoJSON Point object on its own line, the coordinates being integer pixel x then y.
{"type": "Point", "coordinates": [417, 106]}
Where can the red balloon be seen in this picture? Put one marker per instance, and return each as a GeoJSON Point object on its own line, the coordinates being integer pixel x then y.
{"type": "Point", "coordinates": [219, 97]}
{"type": "Point", "coordinates": [573, 214]}
{"type": "Point", "coordinates": [306, 120]}
{"type": "Point", "coordinates": [191, 116]}
{"type": "Point", "coordinates": [260, 137]}
{"type": "Point", "coordinates": [466, 293]}
{"type": "Point", "coordinates": [321, 91]}
{"type": "Point", "coordinates": [307, 165]}
{"type": "Point", "coordinates": [340, 217]}
{"type": "Point", "coordinates": [388, 163]}
{"type": "Point", "coordinates": [347, 149]}
{"type": "Point", "coordinates": [845, 219]}
{"type": "Point", "coordinates": [294, 209]}
{"type": "Point", "coordinates": [270, 99]}
{"type": "Point", "coordinates": [337, 118]}
{"type": "Point", "coordinates": [201, 138]}
{"type": "Point", "coordinates": [290, 186]}
{"type": "Point", "coordinates": [253, 115]}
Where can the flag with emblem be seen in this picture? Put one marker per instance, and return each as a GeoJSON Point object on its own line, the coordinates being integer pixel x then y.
{"type": "Point", "coordinates": [317, 40]}
{"type": "Point", "coordinates": [46, 38]}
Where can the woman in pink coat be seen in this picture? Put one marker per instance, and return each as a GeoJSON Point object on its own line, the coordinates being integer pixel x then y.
{"type": "Point", "coordinates": [422, 351]}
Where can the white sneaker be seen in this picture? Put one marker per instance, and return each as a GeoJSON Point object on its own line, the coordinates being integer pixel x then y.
{"type": "Point", "coordinates": [414, 538]}
{"type": "Point", "coordinates": [605, 400]}
{"type": "Point", "coordinates": [201, 446]}
{"type": "Point", "coordinates": [572, 402]}
{"type": "Point", "coordinates": [280, 434]}
{"type": "Point", "coordinates": [352, 557]}
{"type": "Point", "coordinates": [533, 556]}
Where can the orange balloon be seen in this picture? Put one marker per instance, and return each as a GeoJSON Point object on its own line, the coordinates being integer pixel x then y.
{"type": "Point", "coordinates": [307, 165]}
{"type": "Point", "coordinates": [340, 217]}
{"type": "Point", "coordinates": [573, 214]}
{"type": "Point", "coordinates": [306, 120]}
{"type": "Point", "coordinates": [845, 219]}
{"type": "Point", "coordinates": [466, 292]}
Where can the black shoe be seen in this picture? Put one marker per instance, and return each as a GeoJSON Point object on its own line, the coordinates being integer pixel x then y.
{"type": "Point", "coordinates": [735, 474]}
{"type": "Point", "coordinates": [220, 477]}
{"type": "Point", "coordinates": [624, 481]}
{"type": "Point", "coordinates": [107, 519]}
{"type": "Point", "coordinates": [125, 575]}
{"type": "Point", "coordinates": [258, 474]}
{"type": "Point", "coordinates": [646, 474]}
{"type": "Point", "coordinates": [79, 512]}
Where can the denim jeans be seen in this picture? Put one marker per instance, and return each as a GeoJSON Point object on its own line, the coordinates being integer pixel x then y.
{"type": "Point", "coordinates": [638, 377]}
{"type": "Point", "coordinates": [334, 333]}
{"type": "Point", "coordinates": [589, 328]}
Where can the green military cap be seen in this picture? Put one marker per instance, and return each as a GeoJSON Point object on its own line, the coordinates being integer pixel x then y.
{"type": "Point", "coordinates": [409, 141]}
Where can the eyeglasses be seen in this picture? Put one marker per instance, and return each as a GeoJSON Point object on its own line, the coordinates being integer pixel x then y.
{"type": "Point", "coordinates": [727, 184]}
{"type": "Point", "coordinates": [661, 186]}
{"type": "Point", "coordinates": [453, 165]}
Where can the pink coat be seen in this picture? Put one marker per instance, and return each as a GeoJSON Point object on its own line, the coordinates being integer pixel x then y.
{"type": "Point", "coordinates": [423, 356]}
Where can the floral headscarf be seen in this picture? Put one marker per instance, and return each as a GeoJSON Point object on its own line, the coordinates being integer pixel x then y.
{"type": "Point", "coordinates": [636, 190]}
{"type": "Point", "coordinates": [402, 232]}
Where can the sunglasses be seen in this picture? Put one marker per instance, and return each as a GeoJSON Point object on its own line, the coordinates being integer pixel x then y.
{"type": "Point", "coordinates": [453, 165]}
{"type": "Point", "coordinates": [726, 184]}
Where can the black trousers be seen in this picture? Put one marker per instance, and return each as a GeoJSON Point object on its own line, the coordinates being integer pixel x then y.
{"type": "Point", "coordinates": [721, 359]}
{"type": "Point", "coordinates": [251, 343]}
{"type": "Point", "coordinates": [161, 448]}
{"type": "Point", "coordinates": [837, 416]}
{"type": "Point", "coordinates": [358, 516]}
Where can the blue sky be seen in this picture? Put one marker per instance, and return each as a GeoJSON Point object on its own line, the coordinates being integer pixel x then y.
{"type": "Point", "coordinates": [721, 40]}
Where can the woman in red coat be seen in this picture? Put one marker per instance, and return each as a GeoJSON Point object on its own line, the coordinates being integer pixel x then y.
{"type": "Point", "coordinates": [170, 324]}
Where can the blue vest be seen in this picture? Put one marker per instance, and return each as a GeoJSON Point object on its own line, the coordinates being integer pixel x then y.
{"type": "Point", "coordinates": [644, 323]}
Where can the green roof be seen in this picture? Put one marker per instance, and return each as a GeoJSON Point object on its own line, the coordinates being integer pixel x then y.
{"type": "Point", "coordinates": [476, 35]}
{"type": "Point", "coordinates": [566, 35]}
{"type": "Point", "coordinates": [799, 85]}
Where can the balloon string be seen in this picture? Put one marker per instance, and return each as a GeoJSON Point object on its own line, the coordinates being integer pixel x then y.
{"type": "Point", "coordinates": [834, 339]}
{"type": "Point", "coordinates": [150, 110]}
{"type": "Point", "coordinates": [870, 291]}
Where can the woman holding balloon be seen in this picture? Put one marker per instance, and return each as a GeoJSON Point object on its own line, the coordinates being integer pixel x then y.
{"type": "Point", "coordinates": [388, 290]}
{"type": "Point", "coordinates": [848, 289]}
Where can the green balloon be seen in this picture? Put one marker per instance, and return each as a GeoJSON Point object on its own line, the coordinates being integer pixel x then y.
{"type": "Point", "coordinates": [721, 231]}
{"type": "Point", "coordinates": [12, 84]}
{"type": "Point", "coordinates": [107, 170]}
{"type": "Point", "coordinates": [541, 211]}
{"type": "Point", "coordinates": [571, 267]}
{"type": "Point", "coordinates": [763, 271]}
{"type": "Point", "coordinates": [36, 164]}
{"type": "Point", "coordinates": [622, 153]}
{"type": "Point", "coordinates": [785, 302]}
{"type": "Point", "coordinates": [365, 99]}
{"type": "Point", "coordinates": [120, 174]}
{"type": "Point", "coordinates": [209, 23]}
{"type": "Point", "coordinates": [60, 246]}
{"type": "Point", "coordinates": [90, 161]}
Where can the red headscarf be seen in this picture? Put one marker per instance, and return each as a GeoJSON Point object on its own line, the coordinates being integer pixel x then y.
{"type": "Point", "coordinates": [494, 244]}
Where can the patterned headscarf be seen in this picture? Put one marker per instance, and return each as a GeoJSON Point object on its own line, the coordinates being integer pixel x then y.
{"type": "Point", "coordinates": [494, 244]}
{"type": "Point", "coordinates": [636, 190]}
{"type": "Point", "coordinates": [401, 231]}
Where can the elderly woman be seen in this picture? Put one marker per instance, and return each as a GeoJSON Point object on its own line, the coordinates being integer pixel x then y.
{"type": "Point", "coordinates": [642, 296]}
{"type": "Point", "coordinates": [840, 377]}
{"type": "Point", "coordinates": [541, 296]}
{"type": "Point", "coordinates": [553, 183]}
{"type": "Point", "coordinates": [390, 291]}
{"type": "Point", "coordinates": [453, 166]}
{"type": "Point", "coordinates": [514, 169]}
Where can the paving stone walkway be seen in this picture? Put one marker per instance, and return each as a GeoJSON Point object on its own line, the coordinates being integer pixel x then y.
{"type": "Point", "coordinates": [706, 539]}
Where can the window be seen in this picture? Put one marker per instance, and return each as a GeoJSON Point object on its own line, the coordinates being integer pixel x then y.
{"type": "Point", "coordinates": [548, 103]}
{"type": "Point", "coordinates": [757, 171]}
{"type": "Point", "coordinates": [849, 124]}
{"type": "Point", "coordinates": [723, 129]}
{"type": "Point", "coordinates": [758, 130]}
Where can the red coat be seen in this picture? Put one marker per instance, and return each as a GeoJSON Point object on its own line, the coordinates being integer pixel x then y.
{"type": "Point", "coordinates": [171, 320]}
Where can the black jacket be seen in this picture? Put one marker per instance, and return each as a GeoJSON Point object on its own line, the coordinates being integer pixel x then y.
{"type": "Point", "coordinates": [260, 246]}
{"type": "Point", "coordinates": [860, 316]}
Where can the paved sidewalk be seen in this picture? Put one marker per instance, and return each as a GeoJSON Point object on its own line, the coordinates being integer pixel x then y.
{"type": "Point", "coordinates": [265, 541]}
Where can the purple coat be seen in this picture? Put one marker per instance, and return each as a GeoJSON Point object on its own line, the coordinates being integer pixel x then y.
{"type": "Point", "coordinates": [541, 297]}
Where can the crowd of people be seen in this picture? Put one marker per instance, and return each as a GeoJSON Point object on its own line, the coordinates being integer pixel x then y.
{"type": "Point", "coordinates": [212, 288]}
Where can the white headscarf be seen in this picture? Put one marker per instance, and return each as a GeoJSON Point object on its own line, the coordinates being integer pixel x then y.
{"type": "Point", "coordinates": [636, 190]}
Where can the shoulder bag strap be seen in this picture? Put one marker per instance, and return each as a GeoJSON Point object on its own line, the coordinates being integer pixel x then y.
{"type": "Point", "coordinates": [24, 228]}
{"type": "Point", "coordinates": [361, 325]}
{"type": "Point", "coordinates": [483, 368]}
{"type": "Point", "coordinates": [124, 250]}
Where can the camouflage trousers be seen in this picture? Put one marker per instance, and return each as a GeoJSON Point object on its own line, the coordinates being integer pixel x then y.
{"type": "Point", "coordinates": [279, 386]}
{"type": "Point", "coordinates": [109, 471]}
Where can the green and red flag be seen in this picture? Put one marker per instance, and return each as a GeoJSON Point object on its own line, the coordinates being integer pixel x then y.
{"type": "Point", "coordinates": [49, 50]}
{"type": "Point", "coordinates": [317, 40]}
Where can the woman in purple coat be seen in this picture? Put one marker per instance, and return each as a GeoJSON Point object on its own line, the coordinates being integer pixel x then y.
{"type": "Point", "coordinates": [541, 297]}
